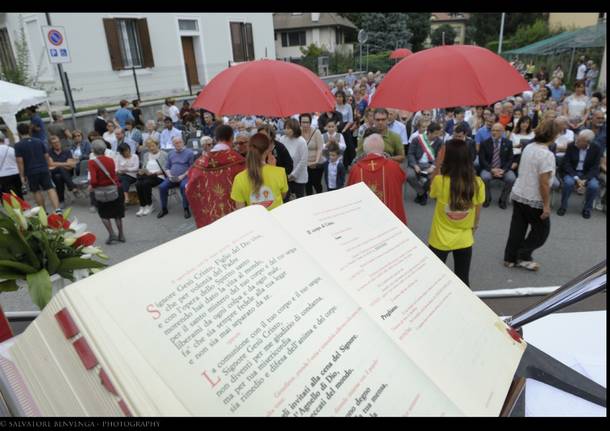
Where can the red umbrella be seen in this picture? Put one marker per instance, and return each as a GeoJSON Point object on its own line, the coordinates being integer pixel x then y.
{"type": "Point", "coordinates": [265, 87]}
{"type": "Point", "coordinates": [445, 76]}
{"type": "Point", "coordinates": [400, 53]}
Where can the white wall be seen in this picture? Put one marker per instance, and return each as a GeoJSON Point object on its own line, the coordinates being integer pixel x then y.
{"type": "Point", "coordinates": [91, 76]}
{"type": "Point", "coordinates": [318, 36]}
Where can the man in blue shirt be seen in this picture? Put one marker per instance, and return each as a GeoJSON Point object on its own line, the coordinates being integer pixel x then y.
{"type": "Point", "coordinates": [33, 162]}
{"type": "Point", "coordinates": [38, 128]}
{"type": "Point", "coordinates": [484, 132]}
{"type": "Point", "coordinates": [123, 114]}
{"type": "Point", "coordinates": [176, 175]}
{"type": "Point", "coordinates": [209, 125]}
{"type": "Point", "coordinates": [557, 90]}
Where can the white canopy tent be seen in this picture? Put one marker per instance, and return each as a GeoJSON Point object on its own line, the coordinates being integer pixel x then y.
{"type": "Point", "coordinates": [14, 98]}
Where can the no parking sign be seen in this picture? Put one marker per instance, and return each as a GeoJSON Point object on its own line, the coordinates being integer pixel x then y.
{"type": "Point", "coordinates": [56, 43]}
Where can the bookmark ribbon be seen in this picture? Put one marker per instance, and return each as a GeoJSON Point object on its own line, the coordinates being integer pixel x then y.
{"type": "Point", "coordinates": [66, 323]}
{"type": "Point", "coordinates": [85, 353]}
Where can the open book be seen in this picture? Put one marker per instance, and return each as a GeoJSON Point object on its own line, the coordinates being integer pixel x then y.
{"type": "Point", "coordinates": [326, 306]}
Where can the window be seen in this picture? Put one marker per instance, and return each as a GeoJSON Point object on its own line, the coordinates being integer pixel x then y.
{"type": "Point", "coordinates": [7, 58]}
{"type": "Point", "coordinates": [338, 37]}
{"type": "Point", "coordinates": [128, 43]}
{"type": "Point", "coordinates": [293, 38]}
{"type": "Point", "coordinates": [188, 25]}
{"type": "Point", "coordinates": [242, 41]}
{"type": "Point", "coordinates": [131, 53]}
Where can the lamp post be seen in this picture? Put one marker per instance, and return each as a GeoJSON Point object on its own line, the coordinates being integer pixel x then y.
{"type": "Point", "coordinates": [501, 34]}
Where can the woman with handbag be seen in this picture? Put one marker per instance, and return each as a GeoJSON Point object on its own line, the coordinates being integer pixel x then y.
{"type": "Point", "coordinates": [105, 185]}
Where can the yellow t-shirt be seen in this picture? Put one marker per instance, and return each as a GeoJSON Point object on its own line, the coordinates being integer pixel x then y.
{"type": "Point", "coordinates": [275, 184]}
{"type": "Point", "coordinates": [452, 230]}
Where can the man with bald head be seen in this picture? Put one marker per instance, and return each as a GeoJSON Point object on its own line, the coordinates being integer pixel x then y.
{"type": "Point", "coordinates": [179, 162]}
{"type": "Point", "coordinates": [384, 176]}
{"type": "Point", "coordinates": [580, 169]}
{"type": "Point", "coordinates": [495, 159]}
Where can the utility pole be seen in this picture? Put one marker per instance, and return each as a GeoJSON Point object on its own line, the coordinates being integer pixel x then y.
{"type": "Point", "coordinates": [443, 36]}
{"type": "Point", "coordinates": [501, 34]}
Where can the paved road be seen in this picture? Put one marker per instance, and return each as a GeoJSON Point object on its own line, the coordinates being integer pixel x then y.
{"type": "Point", "coordinates": [574, 245]}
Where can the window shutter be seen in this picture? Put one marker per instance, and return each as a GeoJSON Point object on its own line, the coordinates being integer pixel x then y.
{"type": "Point", "coordinates": [147, 55]}
{"type": "Point", "coordinates": [114, 45]}
{"type": "Point", "coordinates": [237, 42]}
{"type": "Point", "coordinates": [249, 42]}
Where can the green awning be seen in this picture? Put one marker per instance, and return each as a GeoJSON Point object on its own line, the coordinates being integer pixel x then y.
{"type": "Point", "coordinates": [587, 37]}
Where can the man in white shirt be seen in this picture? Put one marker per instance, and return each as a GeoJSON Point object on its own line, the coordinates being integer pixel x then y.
{"type": "Point", "coordinates": [173, 111]}
{"type": "Point", "coordinates": [341, 86]}
{"type": "Point", "coordinates": [397, 127]}
{"type": "Point", "coordinates": [350, 79]}
{"type": "Point", "coordinates": [581, 72]}
{"type": "Point", "coordinates": [168, 134]}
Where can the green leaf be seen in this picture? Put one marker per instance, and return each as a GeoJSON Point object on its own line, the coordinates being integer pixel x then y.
{"type": "Point", "coordinates": [40, 287]}
{"type": "Point", "coordinates": [10, 211]}
{"type": "Point", "coordinates": [8, 274]}
{"type": "Point", "coordinates": [22, 267]}
{"type": "Point", "coordinates": [15, 240]}
{"type": "Point", "coordinates": [8, 286]}
{"type": "Point", "coordinates": [42, 217]}
{"type": "Point", "coordinates": [52, 259]}
{"type": "Point", "coordinates": [67, 213]}
{"type": "Point", "coordinates": [66, 275]}
{"type": "Point", "coordinates": [72, 263]}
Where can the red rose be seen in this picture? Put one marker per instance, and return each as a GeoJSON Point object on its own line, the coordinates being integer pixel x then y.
{"type": "Point", "coordinates": [56, 221]}
{"type": "Point", "coordinates": [7, 197]}
{"type": "Point", "coordinates": [85, 240]}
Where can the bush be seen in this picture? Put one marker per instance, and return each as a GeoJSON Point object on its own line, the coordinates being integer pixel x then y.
{"type": "Point", "coordinates": [380, 61]}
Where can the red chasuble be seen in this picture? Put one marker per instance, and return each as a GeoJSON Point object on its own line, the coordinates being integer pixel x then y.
{"type": "Point", "coordinates": [209, 186]}
{"type": "Point", "coordinates": [385, 178]}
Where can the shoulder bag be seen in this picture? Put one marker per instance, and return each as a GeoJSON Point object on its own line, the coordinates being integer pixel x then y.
{"type": "Point", "coordinates": [105, 193]}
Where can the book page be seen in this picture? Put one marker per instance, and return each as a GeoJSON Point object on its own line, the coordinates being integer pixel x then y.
{"type": "Point", "coordinates": [456, 340]}
{"type": "Point", "coordinates": [237, 319]}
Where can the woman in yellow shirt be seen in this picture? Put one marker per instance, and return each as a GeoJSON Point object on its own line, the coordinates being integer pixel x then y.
{"type": "Point", "coordinates": [459, 194]}
{"type": "Point", "coordinates": [260, 183]}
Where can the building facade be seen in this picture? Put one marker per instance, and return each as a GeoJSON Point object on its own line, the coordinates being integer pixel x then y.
{"type": "Point", "coordinates": [299, 30]}
{"type": "Point", "coordinates": [457, 20]}
{"type": "Point", "coordinates": [574, 20]}
{"type": "Point", "coordinates": [165, 53]}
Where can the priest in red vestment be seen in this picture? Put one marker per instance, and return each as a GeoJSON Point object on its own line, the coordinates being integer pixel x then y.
{"type": "Point", "coordinates": [384, 176]}
{"type": "Point", "coordinates": [210, 180]}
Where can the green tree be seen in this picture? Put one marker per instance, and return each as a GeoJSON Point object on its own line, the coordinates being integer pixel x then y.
{"type": "Point", "coordinates": [485, 27]}
{"type": "Point", "coordinates": [419, 25]}
{"type": "Point", "coordinates": [386, 31]}
{"type": "Point", "coordinates": [355, 17]}
{"type": "Point", "coordinates": [437, 35]}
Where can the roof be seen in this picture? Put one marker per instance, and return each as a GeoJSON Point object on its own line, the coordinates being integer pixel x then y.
{"type": "Point", "coordinates": [444, 16]}
{"type": "Point", "coordinates": [286, 21]}
{"type": "Point", "coordinates": [588, 37]}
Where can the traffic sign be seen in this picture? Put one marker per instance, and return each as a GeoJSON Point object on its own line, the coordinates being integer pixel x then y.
{"type": "Point", "coordinates": [56, 43]}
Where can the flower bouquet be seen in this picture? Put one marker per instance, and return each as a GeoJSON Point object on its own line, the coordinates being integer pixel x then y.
{"type": "Point", "coordinates": [34, 246]}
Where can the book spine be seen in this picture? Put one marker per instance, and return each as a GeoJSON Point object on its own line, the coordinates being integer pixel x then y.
{"type": "Point", "coordinates": [86, 354]}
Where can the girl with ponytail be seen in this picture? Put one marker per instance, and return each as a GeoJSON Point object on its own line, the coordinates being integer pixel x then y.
{"type": "Point", "coordinates": [260, 183]}
{"type": "Point", "coordinates": [459, 194]}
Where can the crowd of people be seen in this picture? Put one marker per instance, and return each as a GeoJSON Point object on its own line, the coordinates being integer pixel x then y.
{"type": "Point", "coordinates": [546, 138]}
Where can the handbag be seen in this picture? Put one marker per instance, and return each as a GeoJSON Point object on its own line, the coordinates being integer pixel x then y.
{"type": "Point", "coordinates": [105, 193]}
